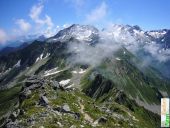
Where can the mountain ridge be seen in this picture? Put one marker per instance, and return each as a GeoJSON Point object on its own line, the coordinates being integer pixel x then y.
{"type": "Point", "coordinates": [99, 67]}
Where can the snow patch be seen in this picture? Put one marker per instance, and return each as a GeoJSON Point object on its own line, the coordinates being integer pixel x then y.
{"type": "Point", "coordinates": [41, 57]}
{"type": "Point", "coordinates": [79, 72]}
{"type": "Point", "coordinates": [118, 58]}
{"type": "Point", "coordinates": [157, 34]}
{"type": "Point", "coordinates": [75, 72]}
{"type": "Point", "coordinates": [64, 82]}
{"type": "Point", "coordinates": [18, 64]}
{"type": "Point", "coordinates": [82, 71]}
{"type": "Point", "coordinates": [52, 71]}
{"type": "Point", "coordinates": [47, 55]}
{"type": "Point", "coordinates": [70, 86]}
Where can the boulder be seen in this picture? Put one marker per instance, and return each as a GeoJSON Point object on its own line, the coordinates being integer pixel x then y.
{"type": "Point", "coordinates": [43, 101]}
{"type": "Point", "coordinates": [77, 115]}
{"type": "Point", "coordinates": [102, 120]}
{"type": "Point", "coordinates": [66, 107]}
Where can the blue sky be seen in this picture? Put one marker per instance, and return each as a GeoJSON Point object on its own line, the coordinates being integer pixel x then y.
{"type": "Point", "coordinates": [24, 17]}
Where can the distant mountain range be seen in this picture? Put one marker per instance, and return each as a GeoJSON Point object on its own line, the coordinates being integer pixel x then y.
{"type": "Point", "coordinates": [122, 71]}
{"type": "Point", "coordinates": [20, 41]}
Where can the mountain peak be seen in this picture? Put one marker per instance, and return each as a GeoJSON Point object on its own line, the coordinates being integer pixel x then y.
{"type": "Point", "coordinates": [80, 32]}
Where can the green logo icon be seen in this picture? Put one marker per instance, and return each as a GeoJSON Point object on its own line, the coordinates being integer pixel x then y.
{"type": "Point", "coordinates": [167, 120]}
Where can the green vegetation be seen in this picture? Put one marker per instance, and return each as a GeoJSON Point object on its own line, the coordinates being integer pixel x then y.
{"type": "Point", "coordinates": [8, 99]}
{"type": "Point", "coordinates": [66, 74]}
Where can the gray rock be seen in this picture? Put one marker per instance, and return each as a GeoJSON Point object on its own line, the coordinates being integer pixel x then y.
{"type": "Point", "coordinates": [16, 113]}
{"type": "Point", "coordinates": [73, 126]}
{"type": "Point", "coordinates": [31, 120]}
{"type": "Point", "coordinates": [55, 85]}
{"type": "Point", "coordinates": [34, 80]}
{"type": "Point", "coordinates": [44, 114]}
{"type": "Point", "coordinates": [77, 115]}
{"type": "Point", "coordinates": [102, 120]}
{"type": "Point", "coordinates": [24, 95]}
{"type": "Point", "coordinates": [27, 92]}
{"type": "Point", "coordinates": [43, 101]}
{"type": "Point", "coordinates": [34, 86]}
{"type": "Point", "coordinates": [66, 108]}
{"type": "Point", "coordinates": [12, 125]}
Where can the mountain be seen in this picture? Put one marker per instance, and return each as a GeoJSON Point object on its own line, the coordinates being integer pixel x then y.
{"type": "Point", "coordinates": [152, 46]}
{"type": "Point", "coordinates": [84, 77]}
{"type": "Point", "coordinates": [21, 40]}
{"type": "Point", "coordinates": [8, 49]}
{"type": "Point", "coordinates": [80, 32]}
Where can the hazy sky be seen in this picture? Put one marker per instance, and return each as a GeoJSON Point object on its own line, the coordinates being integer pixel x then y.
{"type": "Point", "coordinates": [23, 17]}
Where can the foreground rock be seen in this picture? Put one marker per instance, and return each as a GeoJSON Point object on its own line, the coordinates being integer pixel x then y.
{"type": "Point", "coordinates": [43, 101]}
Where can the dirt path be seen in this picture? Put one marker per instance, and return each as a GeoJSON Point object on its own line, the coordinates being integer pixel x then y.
{"type": "Point", "coordinates": [86, 116]}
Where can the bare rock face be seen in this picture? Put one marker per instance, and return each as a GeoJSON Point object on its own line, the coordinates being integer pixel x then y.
{"type": "Point", "coordinates": [32, 83]}
{"type": "Point", "coordinates": [33, 80]}
{"type": "Point", "coordinates": [55, 85]}
{"type": "Point", "coordinates": [12, 124]}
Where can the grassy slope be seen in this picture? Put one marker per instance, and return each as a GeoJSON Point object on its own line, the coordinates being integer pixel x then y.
{"type": "Point", "coordinates": [73, 99]}
{"type": "Point", "coordinates": [8, 99]}
{"type": "Point", "coordinates": [124, 106]}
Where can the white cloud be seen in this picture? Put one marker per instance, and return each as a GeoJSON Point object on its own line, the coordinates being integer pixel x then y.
{"type": "Point", "coordinates": [97, 14]}
{"type": "Point", "coordinates": [49, 22]}
{"type": "Point", "coordinates": [23, 25]}
{"type": "Point", "coordinates": [35, 13]}
{"type": "Point", "coordinates": [157, 52]}
{"type": "Point", "coordinates": [3, 36]}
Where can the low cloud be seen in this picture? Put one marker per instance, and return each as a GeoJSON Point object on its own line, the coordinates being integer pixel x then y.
{"type": "Point", "coordinates": [157, 52]}
{"type": "Point", "coordinates": [84, 53]}
{"type": "Point", "coordinates": [3, 36]}
{"type": "Point", "coordinates": [112, 39]}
